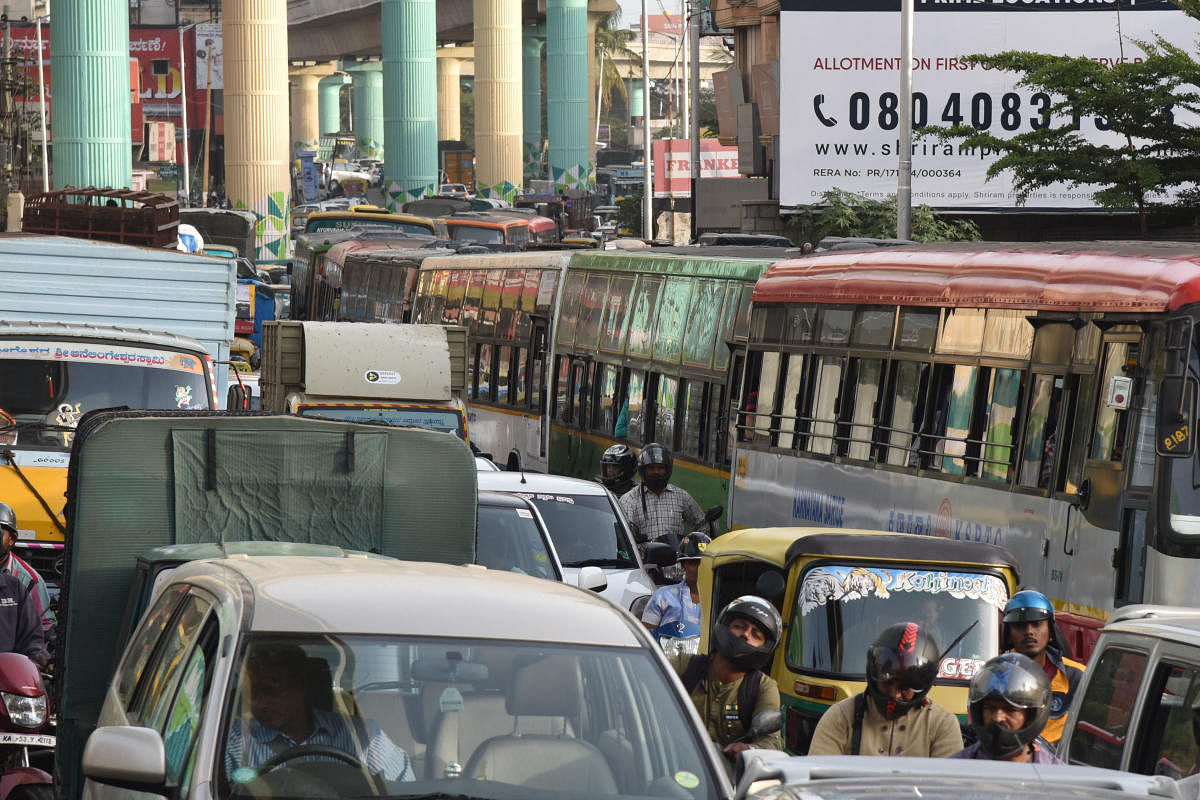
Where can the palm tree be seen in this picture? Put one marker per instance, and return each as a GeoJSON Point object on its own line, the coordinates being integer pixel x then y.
{"type": "Point", "coordinates": [613, 43]}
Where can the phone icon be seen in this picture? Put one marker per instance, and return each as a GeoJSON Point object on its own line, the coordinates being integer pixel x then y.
{"type": "Point", "coordinates": [828, 122]}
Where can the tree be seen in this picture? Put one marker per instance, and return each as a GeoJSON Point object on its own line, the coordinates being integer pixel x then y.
{"type": "Point", "coordinates": [612, 43]}
{"type": "Point", "coordinates": [842, 213]}
{"type": "Point", "coordinates": [1150, 152]}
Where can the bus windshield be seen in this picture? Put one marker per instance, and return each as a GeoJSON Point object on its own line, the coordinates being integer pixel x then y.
{"type": "Point", "coordinates": [841, 608]}
{"type": "Point", "coordinates": [434, 418]}
{"type": "Point", "coordinates": [473, 233]}
{"type": "Point", "coordinates": [47, 386]}
{"type": "Point", "coordinates": [359, 220]}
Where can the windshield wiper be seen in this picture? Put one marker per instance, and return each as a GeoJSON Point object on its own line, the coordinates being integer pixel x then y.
{"type": "Point", "coordinates": [600, 562]}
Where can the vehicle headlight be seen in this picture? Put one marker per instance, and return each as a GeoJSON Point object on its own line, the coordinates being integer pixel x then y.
{"type": "Point", "coordinates": [28, 712]}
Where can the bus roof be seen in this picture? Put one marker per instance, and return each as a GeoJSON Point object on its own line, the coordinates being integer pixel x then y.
{"type": "Point", "coordinates": [529, 258]}
{"type": "Point", "coordinates": [398, 241]}
{"type": "Point", "coordinates": [695, 261]}
{"type": "Point", "coordinates": [1070, 276]}
{"type": "Point", "coordinates": [484, 219]}
{"type": "Point", "coordinates": [369, 215]}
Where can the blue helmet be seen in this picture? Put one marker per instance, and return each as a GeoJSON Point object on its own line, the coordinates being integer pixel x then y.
{"type": "Point", "coordinates": [1027, 606]}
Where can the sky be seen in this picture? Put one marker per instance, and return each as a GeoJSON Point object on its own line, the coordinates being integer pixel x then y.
{"type": "Point", "coordinates": [632, 9]}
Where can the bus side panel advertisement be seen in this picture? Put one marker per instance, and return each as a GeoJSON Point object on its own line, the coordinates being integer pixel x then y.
{"type": "Point", "coordinates": [772, 491]}
{"type": "Point", "coordinates": [840, 78]}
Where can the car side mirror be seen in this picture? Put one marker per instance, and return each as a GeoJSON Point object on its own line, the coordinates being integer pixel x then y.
{"type": "Point", "coordinates": [593, 579]}
{"type": "Point", "coordinates": [661, 554]}
{"type": "Point", "coordinates": [127, 757]}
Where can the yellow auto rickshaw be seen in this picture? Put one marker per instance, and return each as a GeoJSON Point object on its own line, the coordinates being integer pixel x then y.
{"type": "Point", "coordinates": [836, 589]}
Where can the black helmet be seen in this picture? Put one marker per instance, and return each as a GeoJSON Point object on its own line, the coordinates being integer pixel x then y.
{"type": "Point", "coordinates": [906, 653]}
{"type": "Point", "coordinates": [655, 453]}
{"type": "Point", "coordinates": [617, 466]}
{"type": "Point", "coordinates": [8, 519]}
{"type": "Point", "coordinates": [745, 656]}
{"type": "Point", "coordinates": [1020, 682]}
{"type": "Point", "coordinates": [693, 546]}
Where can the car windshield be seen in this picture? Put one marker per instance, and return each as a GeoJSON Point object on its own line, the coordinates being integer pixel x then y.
{"type": "Point", "coordinates": [585, 530]}
{"type": "Point", "coordinates": [840, 608]}
{"type": "Point", "coordinates": [380, 716]}
{"type": "Point", "coordinates": [508, 539]}
{"type": "Point", "coordinates": [447, 420]}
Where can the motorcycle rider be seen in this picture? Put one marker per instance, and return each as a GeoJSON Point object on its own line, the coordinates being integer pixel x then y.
{"type": "Point", "coordinates": [1029, 629]}
{"type": "Point", "coordinates": [1008, 705]}
{"type": "Point", "coordinates": [617, 467]}
{"type": "Point", "coordinates": [658, 507]}
{"type": "Point", "coordinates": [673, 612]}
{"type": "Point", "coordinates": [728, 686]}
{"type": "Point", "coordinates": [13, 564]}
{"type": "Point", "coordinates": [894, 716]}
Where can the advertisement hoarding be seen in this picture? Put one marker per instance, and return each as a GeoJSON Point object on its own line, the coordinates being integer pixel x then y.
{"type": "Point", "coordinates": [840, 80]}
{"type": "Point", "coordinates": [673, 165]}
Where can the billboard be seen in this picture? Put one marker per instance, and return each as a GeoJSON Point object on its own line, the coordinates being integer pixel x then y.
{"type": "Point", "coordinates": [840, 79]}
{"type": "Point", "coordinates": [673, 165]}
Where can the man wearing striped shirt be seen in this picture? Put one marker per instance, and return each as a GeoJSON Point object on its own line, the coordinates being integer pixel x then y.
{"type": "Point", "coordinates": [283, 718]}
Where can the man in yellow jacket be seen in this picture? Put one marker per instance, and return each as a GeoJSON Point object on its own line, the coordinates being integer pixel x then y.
{"type": "Point", "coordinates": [893, 717]}
{"type": "Point", "coordinates": [1029, 630]}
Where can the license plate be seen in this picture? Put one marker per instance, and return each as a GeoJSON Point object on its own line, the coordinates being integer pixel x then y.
{"type": "Point", "coordinates": [33, 739]}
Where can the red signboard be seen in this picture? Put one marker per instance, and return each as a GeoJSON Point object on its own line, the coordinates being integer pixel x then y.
{"type": "Point", "coordinates": [673, 165]}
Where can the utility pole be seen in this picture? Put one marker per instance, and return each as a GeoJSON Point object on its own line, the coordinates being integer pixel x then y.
{"type": "Point", "coordinates": [904, 189]}
{"type": "Point", "coordinates": [647, 155]}
{"type": "Point", "coordinates": [693, 32]}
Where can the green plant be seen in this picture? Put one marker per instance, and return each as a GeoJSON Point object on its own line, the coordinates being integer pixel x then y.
{"type": "Point", "coordinates": [842, 213]}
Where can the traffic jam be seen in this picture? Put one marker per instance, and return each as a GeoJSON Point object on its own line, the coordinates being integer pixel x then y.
{"type": "Point", "coordinates": [456, 522]}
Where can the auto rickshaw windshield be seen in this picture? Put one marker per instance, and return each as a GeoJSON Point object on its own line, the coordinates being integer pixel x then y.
{"type": "Point", "coordinates": [842, 607]}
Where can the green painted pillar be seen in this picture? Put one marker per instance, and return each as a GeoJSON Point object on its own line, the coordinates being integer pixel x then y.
{"type": "Point", "coordinates": [531, 71]}
{"type": "Point", "coordinates": [410, 167]}
{"type": "Point", "coordinates": [367, 108]}
{"type": "Point", "coordinates": [567, 93]}
{"type": "Point", "coordinates": [89, 47]}
{"type": "Point", "coordinates": [329, 102]}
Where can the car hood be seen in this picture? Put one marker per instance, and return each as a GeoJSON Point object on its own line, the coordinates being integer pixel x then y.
{"type": "Point", "coordinates": [624, 585]}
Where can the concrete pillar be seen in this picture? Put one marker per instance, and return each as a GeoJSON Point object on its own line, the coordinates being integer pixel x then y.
{"type": "Point", "coordinates": [306, 122]}
{"type": "Point", "coordinates": [449, 93]}
{"type": "Point", "coordinates": [89, 46]}
{"type": "Point", "coordinates": [256, 117]}
{"type": "Point", "coordinates": [410, 168]}
{"type": "Point", "coordinates": [367, 108]}
{"type": "Point", "coordinates": [329, 102]}
{"type": "Point", "coordinates": [567, 93]}
{"type": "Point", "coordinates": [533, 37]}
{"type": "Point", "coordinates": [498, 159]}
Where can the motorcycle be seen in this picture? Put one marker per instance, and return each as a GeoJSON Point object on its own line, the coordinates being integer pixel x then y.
{"type": "Point", "coordinates": [26, 738]}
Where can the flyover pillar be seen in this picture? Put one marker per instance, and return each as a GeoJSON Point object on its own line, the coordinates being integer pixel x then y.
{"type": "Point", "coordinates": [256, 117]}
{"type": "Point", "coordinates": [449, 93]}
{"type": "Point", "coordinates": [329, 102]}
{"type": "Point", "coordinates": [533, 37]}
{"type": "Point", "coordinates": [89, 46]}
{"type": "Point", "coordinates": [567, 94]}
{"type": "Point", "coordinates": [410, 167]}
{"type": "Point", "coordinates": [498, 160]}
{"type": "Point", "coordinates": [306, 122]}
{"type": "Point", "coordinates": [367, 111]}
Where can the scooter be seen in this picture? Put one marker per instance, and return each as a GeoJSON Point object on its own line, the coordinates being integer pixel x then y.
{"type": "Point", "coordinates": [26, 734]}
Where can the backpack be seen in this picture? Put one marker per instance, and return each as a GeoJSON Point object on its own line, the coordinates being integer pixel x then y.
{"type": "Point", "coordinates": [747, 697]}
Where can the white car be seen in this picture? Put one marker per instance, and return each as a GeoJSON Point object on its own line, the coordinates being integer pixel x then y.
{"type": "Point", "coordinates": [412, 679]}
{"type": "Point", "coordinates": [587, 529]}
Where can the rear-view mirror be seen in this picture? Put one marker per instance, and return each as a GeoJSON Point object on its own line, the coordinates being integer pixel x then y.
{"type": "Point", "coordinates": [593, 579]}
{"type": "Point", "coordinates": [661, 554]}
{"type": "Point", "coordinates": [1176, 422]}
{"type": "Point", "coordinates": [126, 756]}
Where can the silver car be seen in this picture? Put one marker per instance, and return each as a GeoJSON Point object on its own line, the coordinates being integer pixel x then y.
{"type": "Point", "coordinates": [271, 677]}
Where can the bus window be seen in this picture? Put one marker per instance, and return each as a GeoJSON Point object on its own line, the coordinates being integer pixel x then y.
{"type": "Point", "coordinates": [694, 406]}
{"type": "Point", "coordinates": [606, 389]}
{"type": "Point", "coordinates": [473, 371]}
{"type": "Point", "coordinates": [703, 323]}
{"type": "Point", "coordinates": [568, 318]}
{"type": "Point", "coordinates": [486, 391]}
{"type": "Point", "coordinates": [455, 293]}
{"type": "Point", "coordinates": [918, 329]}
{"type": "Point", "coordinates": [874, 326]}
{"type": "Point", "coordinates": [664, 412]}
{"type": "Point", "coordinates": [962, 331]}
{"type": "Point", "coordinates": [615, 322]}
{"type": "Point", "coordinates": [1112, 422]}
{"type": "Point", "coordinates": [906, 393]}
{"type": "Point", "coordinates": [503, 372]}
{"type": "Point", "coordinates": [562, 410]}
{"type": "Point", "coordinates": [1007, 333]}
{"type": "Point", "coordinates": [822, 400]}
{"type": "Point", "coordinates": [510, 299]}
{"type": "Point", "coordinates": [716, 426]}
{"type": "Point", "coordinates": [579, 393]}
{"type": "Point", "coordinates": [864, 387]}
{"type": "Point", "coordinates": [671, 320]}
{"type": "Point", "coordinates": [473, 300]}
{"type": "Point", "coordinates": [1004, 396]}
{"type": "Point", "coordinates": [641, 319]}
{"type": "Point", "coordinates": [788, 407]}
{"type": "Point", "coordinates": [522, 379]}
{"type": "Point", "coordinates": [835, 325]}
{"type": "Point", "coordinates": [1041, 427]}
{"type": "Point", "coordinates": [727, 320]}
{"type": "Point", "coordinates": [591, 308]}
{"type": "Point", "coordinates": [954, 428]}
{"type": "Point", "coordinates": [489, 306]}
{"type": "Point", "coordinates": [762, 399]}
{"type": "Point", "coordinates": [634, 401]}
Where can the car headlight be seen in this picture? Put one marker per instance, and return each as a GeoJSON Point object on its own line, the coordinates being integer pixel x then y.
{"type": "Point", "coordinates": [28, 712]}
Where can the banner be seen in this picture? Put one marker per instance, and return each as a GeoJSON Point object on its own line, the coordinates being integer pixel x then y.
{"type": "Point", "coordinates": [673, 165]}
{"type": "Point", "coordinates": [840, 77]}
